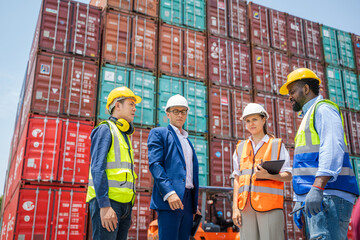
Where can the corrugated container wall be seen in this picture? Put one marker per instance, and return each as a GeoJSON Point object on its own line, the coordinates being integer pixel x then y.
{"type": "Point", "coordinates": [356, 43]}
{"type": "Point", "coordinates": [46, 212]}
{"type": "Point", "coordinates": [313, 40]}
{"type": "Point", "coordinates": [350, 80]}
{"type": "Point", "coordinates": [330, 45]}
{"type": "Point", "coordinates": [200, 144]}
{"type": "Point", "coordinates": [147, 7]}
{"type": "Point", "coordinates": [346, 51]}
{"type": "Point", "coordinates": [278, 31]}
{"type": "Point", "coordinates": [296, 36]}
{"type": "Point", "coordinates": [335, 85]}
{"type": "Point", "coordinates": [354, 131]}
{"type": "Point", "coordinates": [259, 25]}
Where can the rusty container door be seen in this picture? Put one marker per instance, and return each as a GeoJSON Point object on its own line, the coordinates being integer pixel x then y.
{"type": "Point", "coordinates": [262, 70]}
{"type": "Point", "coordinates": [217, 17]}
{"type": "Point", "coordinates": [278, 29]}
{"type": "Point", "coordinates": [297, 62]}
{"type": "Point", "coordinates": [139, 143]}
{"type": "Point", "coordinates": [296, 41]}
{"type": "Point", "coordinates": [171, 49]}
{"type": "Point", "coordinates": [114, 4]}
{"type": "Point", "coordinates": [221, 162]}
{"type": "Point", "coordinates": [116, 38]}
{"type": "Point", "coordinates": [147, 7]}
{"type": "Point", "coordinates": [313, 40]}
{"type": "Point", "coordinates": [356, 43]}
{"type": "Point", "coordinates": [220, 112]}
{"type": "Point", "coordinates": [239, 101]}
{"type": "Point", "coordinates": [194, 54]}
{"type": "Point", "coordinates": [85, 30]}
{"type": "Point", "coordinates": [240, 69]}
{"type": "Point", "coordinates": [281, 70]}
{"type": "Point", "coordinates": [268, 102]}
{"type": "Point", "coordinates": [141, 216]}
{"type": "Point", "coordinates": [318, 69]}
{"type": "Point", "coordinates": [144, 52]}
{"type": "Point", "coordinates": [219, 61]}
{"type": "Point", "coordinates": [285, 120]}
{"type": "Point", "coordinates": [259, 25]}
{"type": "Point", "coordinates": [238, 21]}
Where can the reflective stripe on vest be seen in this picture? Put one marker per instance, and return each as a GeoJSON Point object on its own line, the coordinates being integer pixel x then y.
{"type": "Point", "coordinates": [264, 195]}
{"type": "Point", "coordinates": [120, 172]}
{"type": "Point", "coordinates": [306, 158]}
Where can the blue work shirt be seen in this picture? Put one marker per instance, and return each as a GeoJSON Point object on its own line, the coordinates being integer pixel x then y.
{"type": "Point", "coordinates": [328, 125]}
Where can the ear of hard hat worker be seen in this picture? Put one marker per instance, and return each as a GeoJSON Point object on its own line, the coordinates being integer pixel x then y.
{"type": "Point", "coordinates": [177, 101]}
{"type": "Point", "coordinates": [298, 74]}
{"type": "Point", "coordinates": [254, 108]}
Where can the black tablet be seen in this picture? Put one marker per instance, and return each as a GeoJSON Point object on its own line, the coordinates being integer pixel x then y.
{"type": "Point", "coordinates": [273, 167]}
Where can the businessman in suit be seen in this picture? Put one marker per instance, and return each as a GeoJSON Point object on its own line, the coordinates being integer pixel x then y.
{"type": "Point", "coordinates": [174, 167]}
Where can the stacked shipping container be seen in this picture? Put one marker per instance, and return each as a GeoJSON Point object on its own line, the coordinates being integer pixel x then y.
{"type": "Point", "coordinates": [48, 169]}
{"type": "Point", "coordinates": [219, 54]}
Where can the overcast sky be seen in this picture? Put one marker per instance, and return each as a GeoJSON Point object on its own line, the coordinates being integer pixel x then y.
{"type": "Point", "coordinates": [17, 25]}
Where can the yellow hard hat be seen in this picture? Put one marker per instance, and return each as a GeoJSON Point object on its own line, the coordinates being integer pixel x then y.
{"type": "Point", "coordinates": [121, 92]}
{"type": "Point", "coordinates": [298, 74]}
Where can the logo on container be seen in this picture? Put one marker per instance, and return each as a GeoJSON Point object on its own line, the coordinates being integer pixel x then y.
{"type": "Point", "coordinates": [258, 59]}
{"type": "Point", "coordinates": [28, 206]}
{"type": "Point", "coordinates": [256, 15]}
{"type": "Point", "coordinates": [45, 69]}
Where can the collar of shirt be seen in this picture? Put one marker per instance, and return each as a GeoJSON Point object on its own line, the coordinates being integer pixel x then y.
{"type": "Point", "coordinates": [265, 139]}
{"type": "Point", "coordinates": [308, 105]}
{"type": "Point", "coordinates": [177, 131]}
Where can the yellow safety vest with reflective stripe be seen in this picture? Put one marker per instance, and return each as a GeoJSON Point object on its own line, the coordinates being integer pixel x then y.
{"type": "Point", "coordinates": [265, 195]}
{"type": "Point", "coordinates": [306, 157]}
{"type": "Point", "coordinates": [119, 169]}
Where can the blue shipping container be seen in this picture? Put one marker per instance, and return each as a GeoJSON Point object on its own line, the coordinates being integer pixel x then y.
{"type": "Point", "coordinates": [201, 149]}
{"type": "Point", "coordinates": [140, 82]}
{"type": "Point", "coordinates": [351, 89]}
{"type": "Point", "coordinates": [195, 93]}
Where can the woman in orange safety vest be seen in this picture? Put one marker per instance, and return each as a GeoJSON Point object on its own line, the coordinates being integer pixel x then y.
{"type": "Point", "coordinates": [258, 195]}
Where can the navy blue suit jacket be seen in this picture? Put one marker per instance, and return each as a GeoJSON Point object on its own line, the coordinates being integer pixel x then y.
{"type": "Point", "coordinates": [168, 168]}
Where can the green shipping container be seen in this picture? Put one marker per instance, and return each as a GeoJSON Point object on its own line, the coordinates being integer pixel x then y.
{"type": "Point", "coordinates": [140, 82]}
{"type": "Point", "coordinates": [201, 148]}
{"type": "Point", "coordinates": [346, 50]}
{"type": "Point", "coordinates": [356, 166]}
{"type": "Point", "coordinates": [351, 89]}
{"type": "Point", "coordinates": [330, 45]}
{"type": "Point", "coordinates": [335, 85]}
{"type": "Point", "coordinates": [195, 92]}
{"type": "Point", "coordinates": [190, 13]}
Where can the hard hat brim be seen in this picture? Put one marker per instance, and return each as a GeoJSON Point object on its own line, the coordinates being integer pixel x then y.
{"type": "Point", "coordinates": [137, 99]}
{"type": "Point", "coordinates": [285, 91]}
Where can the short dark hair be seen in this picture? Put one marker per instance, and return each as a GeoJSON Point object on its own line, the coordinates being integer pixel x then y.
{"type": "Point", "coordinates": [312, 83]}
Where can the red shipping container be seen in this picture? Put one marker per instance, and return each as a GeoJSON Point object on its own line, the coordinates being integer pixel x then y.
{"type": "Point", "coordinates": [356, 42]}
{"type": "Point", "coordinates": [281, 70]}
{"type": "Point", "coordinates": [217, 17]}
{"type": "Point", "coordinates": [296, 62]}
{"type": "Point", "coordinates": [171, 49]}
{"type": "Point", "coordinates": [354, 129]}
{"type": "Point", "coordinates": [147, 7]}
{"type": "Point", "coordinates": [278, 29]}
{"type": "Point", "coordinates": [289, 222]}
{"type": "Point", "coordinates": [194, 54]}
{"type": "Point", "coordinates": [318, 69]}
{"type": "Point", "coordinates": [61, 86]}
{"type": "Point", "coordinates": [312, 40]}
{"type": "Point", "coordinates": [221, 162]}
{"type": "Point", "coordinates": [285, 120]}
{"type": "Point", "coordinates": [144, 42]}
{"type": "Point", "coordinates": [37, 212]}
{"type": "Point", "coordinates": [116, 4]}
{"type": "Point", "coordinates": [268, 102]}
{"type": "Point", "coordinates": [262, 70]}
{"type": "Point", "coordinates": [240, 100]}
{"type": "Point", "coordinates": [67, 27]}
{"type": "Point", "coordinates": [296, 36]}
{"type": "Point", "coordinates": [116, 37]}
{"type": "Point", "coordinates": [229, 63]}
{"type": "Point", "coordinates": [220, 110]}
{"type": "Point", "coordinates": [139, 143]}
{"type": "Point", "coordinates": [140, 217]}
{"type": "Point", "coordinates": [259, 25]}
{"type": "Point", "coordinates": [238, 25]}
{"type": "Point", "coordinates": [52, 150]}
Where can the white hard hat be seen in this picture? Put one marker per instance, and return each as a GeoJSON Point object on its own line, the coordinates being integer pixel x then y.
{"type": "Point", "coordinates": [254, 108]}
{"type": "Point", "coordinates": [177, 100]}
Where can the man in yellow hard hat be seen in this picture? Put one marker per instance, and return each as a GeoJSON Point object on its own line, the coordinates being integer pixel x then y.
{"type": "Point", "coordinates": [111, 190]}
{"type": "Point", "coordinates": [323, 179]}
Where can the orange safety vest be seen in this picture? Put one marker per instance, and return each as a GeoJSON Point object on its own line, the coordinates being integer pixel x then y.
{"type": "Point", "coordinates": [265, 195]}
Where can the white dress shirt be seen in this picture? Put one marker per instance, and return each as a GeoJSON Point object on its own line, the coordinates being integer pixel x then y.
{"type": "Point", "coordinates": [188, 155]}
{"type": "Point", "coordinates": [284, 155]}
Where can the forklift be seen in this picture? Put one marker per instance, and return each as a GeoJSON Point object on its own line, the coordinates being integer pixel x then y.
{"type": "Point", "coordinates": [214, 225]}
